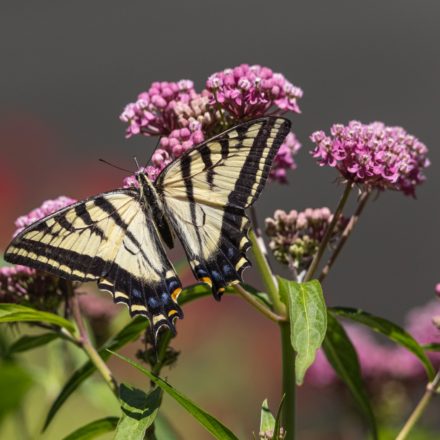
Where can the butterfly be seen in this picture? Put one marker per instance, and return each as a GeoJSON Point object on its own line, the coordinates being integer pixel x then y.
{"type": "Point", "coordinates": [117, 238]}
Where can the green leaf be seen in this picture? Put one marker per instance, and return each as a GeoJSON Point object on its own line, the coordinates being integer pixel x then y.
{"type": "Point", "coordinates": [29, 342]}
{"type": "Point", "coordinates": [267, 420]}
{"type": "Point", "coordinates": [343, 357]}
{"type": "Point", "coordinates": [94, 429]}
{"type": "Point", "coordinates": [18, 313]}
{"type": "Point", "coordinates": [163, 429]}
{"type": "Point", "coordinates": [308, 321]}
{"type": "Point", "coordinates": [15, 382]}
{"type": "Point", "coordinates": [130, 332]}
{"type": "Point", "coordinates": [269, 424]}
{"type": "Point", "coordinates": [217, 429]}
{"type": "Point", "coordinates": [390, 330]}
{"type": "Point", "coordinates": [139, 411]}
{"type": "Point", "coordinates": [431, 347]}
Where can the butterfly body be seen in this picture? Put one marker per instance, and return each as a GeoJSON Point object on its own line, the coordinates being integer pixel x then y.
{"type": "Point", "coordinates": [116, 238]}
{"type": "Point", "coordinates": [153, 206]}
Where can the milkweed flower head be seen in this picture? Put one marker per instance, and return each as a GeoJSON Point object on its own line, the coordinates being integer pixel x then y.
{"type": "Point", "coordinates": [23, 285]}
{"type": "Point", "coordinates": [248, 92]}
{"type": "Point", "coordinates": [153, 112]}
{"type": "Point", "coordinates": [48, 207]}
{"type": "Point", "coordinates": [295, 236]}
{"type": "Point", "coordinates": [184, 118]}
{"type": "Point", "coordinates": [26, 286]}
{"type": "Point", "coordinates": [373, 154]}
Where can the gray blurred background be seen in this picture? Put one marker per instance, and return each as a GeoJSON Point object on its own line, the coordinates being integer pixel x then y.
{"type": "Point", "coordinates": [68, 68]}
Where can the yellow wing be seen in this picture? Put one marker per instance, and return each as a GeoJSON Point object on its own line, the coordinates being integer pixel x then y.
{"type": "Point", "coordinates": [111, 239]}
{"type": "Point", "coordinates": [206, 192]}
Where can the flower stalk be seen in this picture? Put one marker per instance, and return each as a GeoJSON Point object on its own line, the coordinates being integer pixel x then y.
{"type": "Point", "coordinates": [328, 233]}
{"type": "Point", "coordinates": [431, 389]}
{"type": "Point", "coordinates": [346, 233]}
{"type": "Point", "coordinates": [269, 280]}
{"type": "Point", "coordinates": [257, 304]}
{"type": "Point", "coordinates": [85, 343]}
{"type": "Point", "coordinates": [289, 385]}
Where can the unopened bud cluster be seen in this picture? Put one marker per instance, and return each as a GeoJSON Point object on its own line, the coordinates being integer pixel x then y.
{"type": "Point", "coordinates": [295, 236]}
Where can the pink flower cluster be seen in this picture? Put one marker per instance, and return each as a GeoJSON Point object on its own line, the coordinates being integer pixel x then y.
{"type": "Point", "coordinates": [13, 280]}
{"type": "Point", "coordinates": [153, 112]}
{"type": "Point", "coordinates": [48, 207]}
{"type": "Point", "coordinates": [23, 285]}
{"type": "Point", "coordinates": [184, 118]}
{"type": "Point", "coordinates": [248, 92]}
{"type": "Point", "coordinates": [400, 364]}
{"type": "Point", "coordinates": [373, 154]}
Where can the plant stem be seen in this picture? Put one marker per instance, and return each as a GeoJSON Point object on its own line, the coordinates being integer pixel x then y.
{"type": "Point", "coordinates": [269, 280]}
{"type": "Point", "coordinates": [86, 345]}
{"type": "Point", "coordinates": [431, 389]}
{"type": "Point", "coordinates": [257, 304]}
{"type": "Point", "coordinates": [289, 386]}
{"type": "Point", "coordinates": [328, 233]}
{"type": "Point", "coordinates": [164, 343]}
{"type": "Point", "coordinates": [345, 234]}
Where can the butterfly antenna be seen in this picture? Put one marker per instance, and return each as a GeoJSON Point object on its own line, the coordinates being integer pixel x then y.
{"type": "Point", "coordinates": [151, 155]}
{"type": "Point", "coordinates": [114, 166]}
{"type": "Point", "coordinates": [137, 163]}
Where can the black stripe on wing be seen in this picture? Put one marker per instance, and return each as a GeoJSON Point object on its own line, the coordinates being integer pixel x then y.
{"type": "Point", "coordinates": [226, 265]}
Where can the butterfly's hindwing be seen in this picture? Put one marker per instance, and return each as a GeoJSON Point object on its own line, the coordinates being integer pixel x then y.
{"type": "Point", "coordinates": [108, 238]}
{"type": "Point", "coordinates": [206, 192]}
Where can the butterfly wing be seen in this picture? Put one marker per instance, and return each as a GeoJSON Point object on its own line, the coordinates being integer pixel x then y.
{"type": "Point", "coordinates": [205, 194]}
{"type": "Point", "coordinates": [111, 239]}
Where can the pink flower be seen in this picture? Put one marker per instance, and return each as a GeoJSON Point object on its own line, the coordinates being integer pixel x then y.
{"type": "Point", "coordinates": [400, 364]}
{"type": "Point", "coordinates": [284, 159]}
{"type": "Point", "coordinates": [170, 148]}
{"type": "Point", "coordinates": [374, 155]}
{"type": "Point", "coordinates": [48, 207]}
{"type": "Point", "coordinates": [153, 113]}
{"type": "Point", "coordinates": [26, 286]}
{"type": "Point", "coordinates": [184, 118]}
{"type": "Point", "coordinates": [248, 92]}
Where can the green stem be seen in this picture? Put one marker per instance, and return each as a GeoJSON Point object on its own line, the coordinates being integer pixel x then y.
{"type": "Point", "coordinates": [257, 304]}
{"type": "Point", "coordinates": [269, 280]}
{"type": "Point", "coordinates": [164, 343]}
{"type": "Point", "coordinates": [289, 386]}
{"type": "Point", "coordinates": [87, 346]}
{"type": "Point", "coordinates": [345, 234]}
{"type": "Point", "coordinates": [328, 233]}
{"type": "Point", "coordinates": [431, 389]}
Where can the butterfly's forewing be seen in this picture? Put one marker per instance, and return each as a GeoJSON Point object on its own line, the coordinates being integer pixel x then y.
{"type": "Point", "coordinates": [207, 190]}
{"type": "Point", "coordinates": [110, 239]}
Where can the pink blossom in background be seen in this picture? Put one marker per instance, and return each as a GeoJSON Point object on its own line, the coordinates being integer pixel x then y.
{"type": "Point", "coordinates": [386, 361]}
{"type": "Point", "coordinates": [373, 154]}
{"type": "Point", "coordinates": [96, 307]}
{"type": "Point", "coordinates": [48, 207]}
{"type": "Point", "coordinates": [248, 92]}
